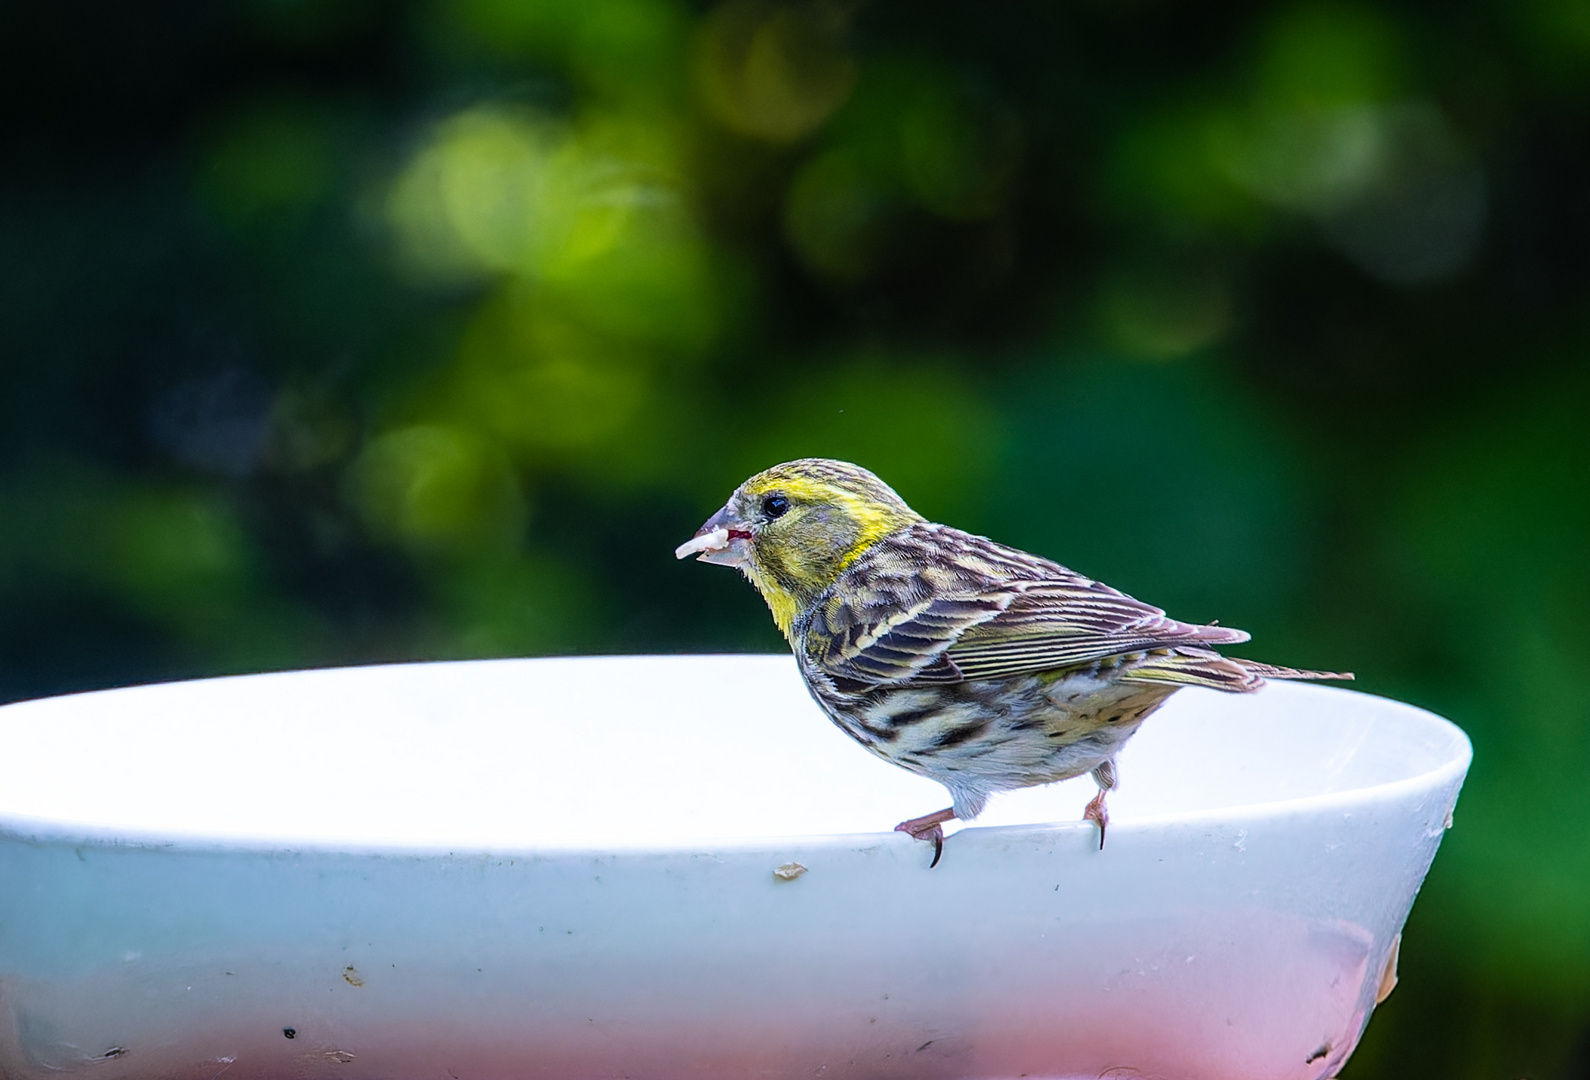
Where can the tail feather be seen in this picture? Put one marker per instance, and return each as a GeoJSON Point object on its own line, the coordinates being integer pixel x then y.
{"type": "Point", "coordinates": [1204, 667]}
{"type": "Point", "coordinates": [1267, 671]}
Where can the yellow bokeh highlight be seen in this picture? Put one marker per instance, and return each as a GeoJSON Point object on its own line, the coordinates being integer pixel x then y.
{"type": "Point", "coordinates": [591, 210]}
{"type": "Point", "coordinates": [183, 559]}
{"type": "Point", "coordinates": [773, 71]}
{"type": "Point", "coordinates": [1304, 160]}
{"type": "Point", "coordinates": [912, 137]}
{"type": "Point", "coordinates": [1156, 311]}
{"type": "Point", "coordinates": [166, 544]}
{"type": "Point", "coordinates": [542, 383]}
{"type": "Point", "coordinates": [474, 196]}
{"type": "Point", "coordinates": [433, 486]}
{"type": "Point", "coordinates": [1325, 125]}
{"type": "Point", "coordinates": [1316, 133]}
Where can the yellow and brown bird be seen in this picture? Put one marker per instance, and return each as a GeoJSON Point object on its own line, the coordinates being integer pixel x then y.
{"type": "Point", "coordinates": [977, 665]}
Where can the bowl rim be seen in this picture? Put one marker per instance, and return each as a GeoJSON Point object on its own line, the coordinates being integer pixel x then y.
{"type": "Point", "coordinates": [1451, 769]}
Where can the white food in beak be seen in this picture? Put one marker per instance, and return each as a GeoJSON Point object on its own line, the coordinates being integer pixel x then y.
{"type": "Point", "coordinates": [705, 544]}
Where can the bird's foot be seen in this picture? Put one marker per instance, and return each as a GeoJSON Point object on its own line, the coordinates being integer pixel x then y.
{"type": "Point", "coordinates": [1096, 812]}
{"type": "Point", "coordinates": [928, 827]}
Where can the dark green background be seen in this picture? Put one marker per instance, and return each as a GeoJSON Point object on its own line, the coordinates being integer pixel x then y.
{"type": "Point", "coordinates": [336, 331]}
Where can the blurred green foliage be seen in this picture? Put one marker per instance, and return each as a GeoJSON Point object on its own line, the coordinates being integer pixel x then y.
{"type": "Point", "coordinates": [339, 331]}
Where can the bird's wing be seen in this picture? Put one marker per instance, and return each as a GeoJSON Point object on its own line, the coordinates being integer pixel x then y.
{"type": "Point", "coordinates": [936, 605]}
{"type": "Point", "coordinates": [906, 645]}
{"type": "Point", "coordinates": [1070, 623]}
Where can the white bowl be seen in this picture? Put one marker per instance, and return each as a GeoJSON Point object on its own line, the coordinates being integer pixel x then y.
{"type": "Point", "coordinates": [566, 868]}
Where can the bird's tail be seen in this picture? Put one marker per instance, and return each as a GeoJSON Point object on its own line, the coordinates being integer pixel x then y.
{"type": "Point", "coordinates": [1205, 667]}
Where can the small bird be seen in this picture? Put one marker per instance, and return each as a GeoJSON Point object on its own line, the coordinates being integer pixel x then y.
{"type": "Point", "coordinates": [974, 664]}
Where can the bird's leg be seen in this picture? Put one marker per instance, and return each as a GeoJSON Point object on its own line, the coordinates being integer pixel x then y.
{"type": "Point", "coordinates": [1104, 776]}
{"type": "Point", "coordinates": [927, 827]}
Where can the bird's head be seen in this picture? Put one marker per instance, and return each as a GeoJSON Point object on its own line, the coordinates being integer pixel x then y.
{"type": "Point", "coordinates": [795, 527]}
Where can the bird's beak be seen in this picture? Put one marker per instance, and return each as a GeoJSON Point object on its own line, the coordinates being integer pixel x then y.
{"type": "Point", "coordinates": [724, 540]}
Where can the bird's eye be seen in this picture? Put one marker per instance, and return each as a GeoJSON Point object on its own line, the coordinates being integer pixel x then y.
{"type": "Point", "coordinates": [775, 505]}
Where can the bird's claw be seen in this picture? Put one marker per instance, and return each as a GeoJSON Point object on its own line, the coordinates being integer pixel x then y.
{"type": "Point", "coordinates": [928, 827]}
{"type": "Point", "coordinates": [1096, 812]}
{"type": "Point", "coordinates": [934, 832]}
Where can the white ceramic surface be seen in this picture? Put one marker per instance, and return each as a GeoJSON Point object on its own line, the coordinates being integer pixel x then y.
{"type": "Point", "coordinates": [564, 869]}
